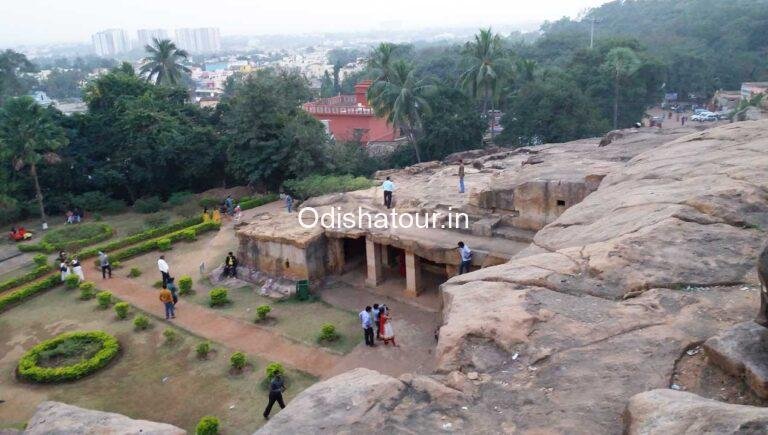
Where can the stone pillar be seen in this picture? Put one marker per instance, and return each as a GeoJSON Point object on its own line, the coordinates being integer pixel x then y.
{"type": "Point", "coordinates": [385, 255]}
{"type": "Point", "coordinates": [373, 261]}
{"type": "Point", "coordinates": [412, 274]}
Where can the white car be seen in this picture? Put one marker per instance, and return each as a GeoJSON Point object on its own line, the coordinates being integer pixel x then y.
{"type": "Point", "coordinates": [704, 116]}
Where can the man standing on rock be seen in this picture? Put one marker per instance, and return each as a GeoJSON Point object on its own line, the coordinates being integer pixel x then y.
{"type": "Point", "coordinates": [466, 258]}
{"type": "Point", "coordinates": [461, 176]}
{"type": "Point", "coordinates": [276, 388]}
{"type": "Point", "coordinates": [366, 321]}
{"type": "Point", "coordinates": [164, 269]}
{"type": "Point", "coordinates": [388, 186]}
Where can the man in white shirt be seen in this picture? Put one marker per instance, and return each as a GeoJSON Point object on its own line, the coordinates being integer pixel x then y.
{"type": "Point", "coordinates": [466, 258]}
{"type": "Point", "coordinates": [388, 186]}
{"type": "Point", "coordinates": [366, 321]}
{"type": "Point", "coordinates": [164, 269]}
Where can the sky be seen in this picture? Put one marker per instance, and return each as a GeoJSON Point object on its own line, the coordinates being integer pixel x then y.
{"type": "Point", "coordinates": [68, 21]}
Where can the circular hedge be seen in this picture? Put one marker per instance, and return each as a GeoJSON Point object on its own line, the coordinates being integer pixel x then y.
{"type": "Point", "coordinates": [30, 369]}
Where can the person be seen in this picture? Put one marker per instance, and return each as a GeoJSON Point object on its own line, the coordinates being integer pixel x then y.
{"type": "Point", "coordinates": [64, 269]}
{"type": "Point", "coordinates": [367, 323]}
{"type": "Point", "coordinates": [376, 312]}
{"type": "Point", "coordinates": [387, 331]}
{"type": "Point", "coordinates": [78, 215]}
{"type": "Point", "coordinates": [466, 258]}
{"type": "Point", "coordinates": [104, 263]}
{"type": "Point", "coordinates": [167, 299]}
{"type": "Point", "coordinates": [288, 202]}
{"type": "Point", "coordinates": [230, 265]}
{"type": "Point", "coordinates": [238, 214]}
{"type": "Point", "coordinates": [206, 216]}
{"type": "Point", "coordinates": [77, 269]}
{"type": "Point", "coordinates": [461, 176]}
{"type": "Point", "coordinates": [164, 269]}
{"type": "Point", "coordinates": [683, 119]}
{"type": "Point", "coordinates": [172, 288]}
{"type": "Point", "coordinates": [276, 388]}
{"type": "Point", "coordinates": [216, 215]}
{"type": "Point", "coordinates": [388, 186]}
{"type": "Point", "coordinates": [62, 256]}
{"type": "Point", "coordinates": [70, 217]}
{"type": "Point", "coordinates": [229, 203]}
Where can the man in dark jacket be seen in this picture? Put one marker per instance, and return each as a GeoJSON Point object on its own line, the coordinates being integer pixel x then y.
{"type": "Point", "coordinates": [230, 265]}
{"type": "Point", "coordinates": [276, 388]}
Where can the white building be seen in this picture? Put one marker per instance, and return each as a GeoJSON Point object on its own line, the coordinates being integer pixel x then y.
{"type": "Point", "coordinates": [111, 42]}
{"type": "Point", "coordinates": [199, 40]}
{"type": "Point", "coordinates": [145, 36]}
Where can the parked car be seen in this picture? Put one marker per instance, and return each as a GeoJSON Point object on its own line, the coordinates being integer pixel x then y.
{"type": "Point", "coordinates": [704, 117]}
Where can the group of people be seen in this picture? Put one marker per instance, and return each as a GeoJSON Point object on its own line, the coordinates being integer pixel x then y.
{"type": "Point", "coordinates": [19, 234]}
{"type": "Point", "coordinates": [380, 317]}
{"type": "Point", "coordinates": [388, 186]}
{"type": "Point", "coordinates": [169, 292]}
{"type": "Point", "coordinates": [74, 216]}
{"type": "Point", "coordinates": [70, 266]}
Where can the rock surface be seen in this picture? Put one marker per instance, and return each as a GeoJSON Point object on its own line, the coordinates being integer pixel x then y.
{"type": "Point", "coordinates": [60, 418]}
{"type": "Point", "coordinates": [742, 350]}
{"type": "Point", "coordinates": [665, 412]}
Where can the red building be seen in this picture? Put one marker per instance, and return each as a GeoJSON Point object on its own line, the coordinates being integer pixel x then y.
{"type": "Point", "coordinates": [350, 118]}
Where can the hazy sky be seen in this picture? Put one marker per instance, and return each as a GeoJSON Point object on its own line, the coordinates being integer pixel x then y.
{"type": "Point", "coordinates": [48, 21]}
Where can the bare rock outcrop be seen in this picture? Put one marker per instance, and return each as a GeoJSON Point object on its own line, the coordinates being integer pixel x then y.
{"type": "Point", "coordinates": [742, 351]}
{"type": "Point", "coordinates": [662, 412]}
{"type": "Point", "coordinates": [60, 418]}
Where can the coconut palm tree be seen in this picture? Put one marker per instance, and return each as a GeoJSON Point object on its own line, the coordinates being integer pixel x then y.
{"type": "Point", "coordinates": [487, 67]}
{"type": "Point", "coordinates": [620, 62]}
{"type": "Point", "coordinates": [163, 63]}
{"type": "Point", "coordinates": [402, 99]}
{"type": "Point", "coordinates": [29, 136]}
{"type": "Point", "coordinates": [381, 60]}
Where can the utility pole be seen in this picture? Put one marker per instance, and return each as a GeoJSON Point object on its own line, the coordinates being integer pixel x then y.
{"type": "Point", "coordinates": [592, 33]}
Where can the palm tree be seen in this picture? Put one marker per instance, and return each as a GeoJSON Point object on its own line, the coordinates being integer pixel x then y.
{"type": "Point", "coordinates": [487, 67]}
{"type": "Point", "coordinates": [620, 62]}
{"type": "Point", "coordinates": [29, 136]}
{"type": "Point", "coordinates": [163, 62]}
{"type": "Point", "coordinates": [401, 99]}
{"type": "Point", "coordinates": [381, 60]}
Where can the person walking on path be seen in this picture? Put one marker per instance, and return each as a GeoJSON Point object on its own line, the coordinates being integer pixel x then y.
{"type": "Point", "coordinates": [461, 176]}
{"type": "Point", "coordinates": [230, 204]}
{"type": "Point", "coordinates": [376, 312]}
{"type": "Point", "coordinates": [64, 269]}
{"type": "Point", "coordinates": [288, 202]}
{"type": "Point", "coordinates": [388, 186]}
{"type": "Point", "coordinates": [387, 331]}
{"type": "Point", "coordinates": [172, 288]}
{"type": "Point", "coordinates": [167, 299]}
{"type": "Point", "coordinates": [164, 269]}
{"type": "Point", "coordinates": [366, 321]}
{"type": "Point", "coordinates": [466, 258]}
{"type": "Point", "coordinates": [77, 269]}
{"type": "Point", "coordinates": [276, 388]}
{"type": "Point", "coordinates": [104, 263]}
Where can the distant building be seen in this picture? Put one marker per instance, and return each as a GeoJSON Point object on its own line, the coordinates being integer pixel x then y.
{"type": "Point", "coordinates": [749, 90]}
{"type": "Point", "coordinates": [350, 118]}
{"type": "Point", "coordinates": [726, 100]}
{"type": "Point", "coordinates": [41, 98]}
{"type": "Point", "coordinates": [145, 36]}
{"type": "Point", "coordinates": [111, 42]}
{"type": "Point", "coordinates": [200, 40]}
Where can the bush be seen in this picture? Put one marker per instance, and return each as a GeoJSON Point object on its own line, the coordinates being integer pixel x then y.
{"type": "Point", "coordinates": [40, 260]}
{"type": "Point", "coordinates": [97, 217]}
{"type": "Point", "coordinates": [104, 298]}
{"type": "Point", "coordinates": [209, 202]}
{"type": "Point", "coordinates": [273, 369]}
{"type": "Point", "coordinates": [121, 309]}
{"type": "Point", "coordinates": [238, 360]}
{"type": "Point", "coordinates": [116, 264]}
{"type": "Point", "coordinates": [71, 237]}
{"type": "Point", "coordinates": [185, 285]}
{"type": "Point", "coordinates": [170, 335]}
{"type": "Point", "coordinates": [328, 333]}
{"type": "Point", "coordinates": [135, 272]}
{"type": "Point", "coordinates": [141, 322]}
{"type": "Point", "coordinates": [97, 201]}
{"type": "Point", "coordinates": [164, 244]}
{"type": "Point", "coordinates": [218, 297]}
{"type": "Point", "coordinates": [316, 185]}
{"type": "Point", "coordinates": [189, 234]}
{"type": "Point", "coordinates": [72, 281]}
{"type": "Point", "coordinates": [179, 198]}
{"type": "Point", "coordinates": [252, 202]}
{"type": "Point", "coordinates": [151, 204]}
{"type": "Point", "coordinates": [23, 279]}
{"type": "Point", "coordinates": [27, 292]}
{"type": "Point", "coordinates": [262, 311]}
{"type": "Point", "coordinates": [158, 284]}
{"type": "Point", "coordinates": [87, 290]}
{"type": "Point", "coordinates": [157, 220]}
{"type": "Point", "coordinates": [202, 349]}
{"type": "Point", "coordinates": [28, 365]}
{"type": "Point", "coordinates": [208, 425]}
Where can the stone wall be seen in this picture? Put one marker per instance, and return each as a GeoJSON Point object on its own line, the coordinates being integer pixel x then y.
{"type": "Point", "coordinates": [282, 259]}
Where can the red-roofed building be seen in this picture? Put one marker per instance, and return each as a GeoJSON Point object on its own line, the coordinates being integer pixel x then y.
{"type": "Point", "coordinates": [350, 118]}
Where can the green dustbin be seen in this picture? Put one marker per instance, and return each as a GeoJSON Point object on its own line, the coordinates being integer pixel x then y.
{"type": "Point", "coordinates": [302, 290]}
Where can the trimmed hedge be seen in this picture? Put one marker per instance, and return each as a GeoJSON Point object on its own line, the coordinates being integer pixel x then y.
{"type": "Point", "coordinates": [47, 246]}
{"type": "Point", "coordinates": [208, 425]}
{"type": "Point", "coordinates": [23, 279]}
{"type": "Point", "coordinates": [28, 368]}
{"type": "Point", "coordinates": [154, 244]}
{"type": "Point", "coordinates": [253, 202]}
{"type": "Point", "coordinates": [29, 291]}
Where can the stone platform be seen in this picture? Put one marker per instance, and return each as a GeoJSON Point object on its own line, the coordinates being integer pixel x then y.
{"type": "Point", "coordinates": [742, 350]}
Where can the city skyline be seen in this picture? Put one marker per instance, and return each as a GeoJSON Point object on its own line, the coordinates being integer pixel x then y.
{"type": "Point", "coordinates": [75, 21]}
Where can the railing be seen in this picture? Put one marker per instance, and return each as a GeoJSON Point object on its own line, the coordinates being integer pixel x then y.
{"type": "Point", "coordinates": [339, 110]}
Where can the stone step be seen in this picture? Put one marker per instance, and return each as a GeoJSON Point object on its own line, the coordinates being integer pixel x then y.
{"type": "Point", "coordinates": [742, 350]}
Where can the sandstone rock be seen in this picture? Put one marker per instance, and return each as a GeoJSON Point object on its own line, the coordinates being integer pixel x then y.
{"type": "Point", "coordinates": [742, 350]}
{"type": "Point", "coordinates": [60, 418]}
{"type": "Point", "coordinates": [439, 394]}
{"type": "Point", "coordinates": [458, 381]}
{"type": "Point", "coordinates": [473, 376]}
{"type": "Point", "coordinates": [665, 412]}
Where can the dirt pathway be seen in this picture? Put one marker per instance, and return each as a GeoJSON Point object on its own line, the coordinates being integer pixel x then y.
{"type": "Point", "coordinates": [236, 334]}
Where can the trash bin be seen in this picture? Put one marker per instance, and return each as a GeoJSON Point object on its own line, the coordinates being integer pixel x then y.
{"type": "Point", "coordinates": [302, 290]}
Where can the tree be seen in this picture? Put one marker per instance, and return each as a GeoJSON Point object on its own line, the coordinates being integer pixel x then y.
{"type": "Point", "coordinates": [487, 68]}
{"type": "Point", "coordinates": [326, 86]}
{"type": "Point", "coordinates": [380, 61]}
{"type": "Point", "coordinates": [402, 99]}
{"type": "Point", "coordinates": [449, 127]}
{"type": "Point", "coordinates": [12, 83]}
{"type": "Point", "coordinates": [621, 62]}
{"type": "Point", "coordinates": [336, 79]}
{"type": "Point", "coordinates": [163, 63]}
{"type": "Point", "coordinates": [29, 137]}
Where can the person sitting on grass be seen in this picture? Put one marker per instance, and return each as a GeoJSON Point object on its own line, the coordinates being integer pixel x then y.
{"type": "Point", "coordinates": [167, 299]}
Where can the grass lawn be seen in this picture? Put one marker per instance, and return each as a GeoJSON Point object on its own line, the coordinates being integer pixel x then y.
{"type": "Point", "coordinates": [148, 380]}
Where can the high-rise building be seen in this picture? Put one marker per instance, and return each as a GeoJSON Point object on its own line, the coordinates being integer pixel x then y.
{"type": "Point", "coordinates": [146, 36]}
{"type": "Point", "coordinates": [200, 40]}
{"type": "Point", "coordinates": [108, 43]}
